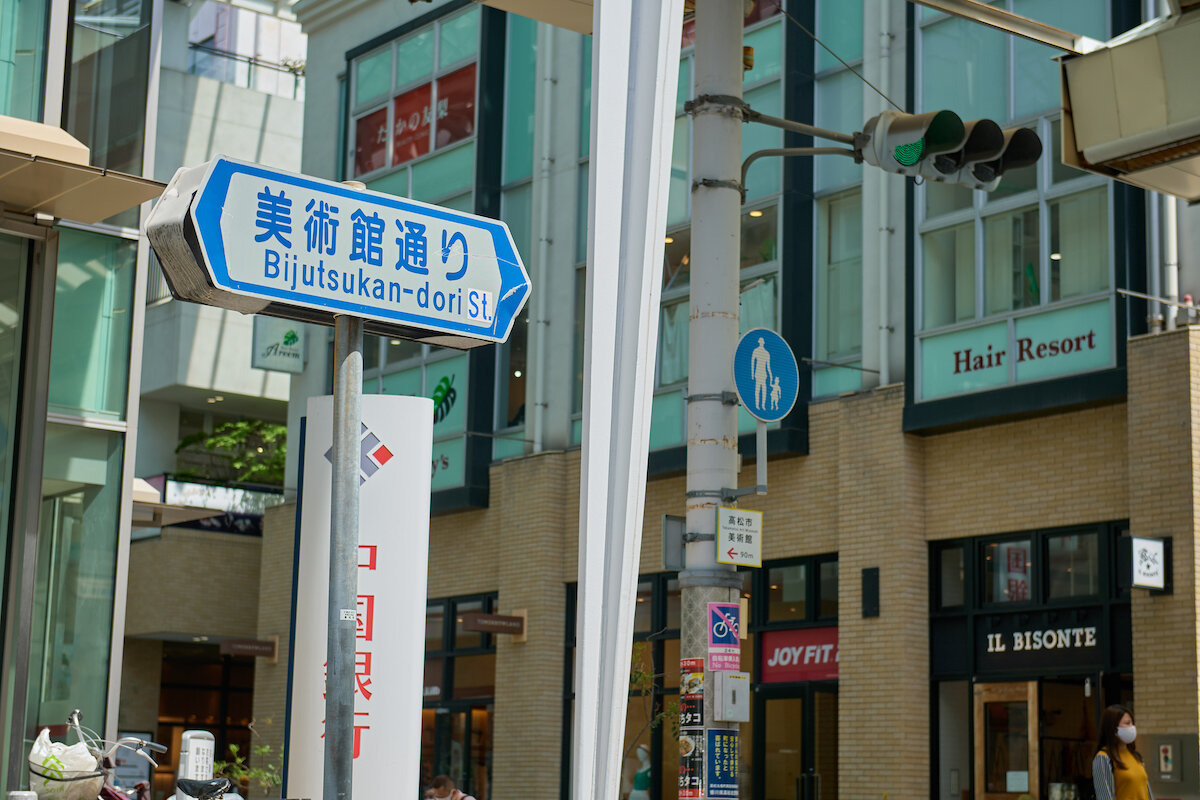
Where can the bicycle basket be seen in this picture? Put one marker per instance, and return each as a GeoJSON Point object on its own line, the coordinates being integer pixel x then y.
{"type": "Point", "coordinates": [66, 784]}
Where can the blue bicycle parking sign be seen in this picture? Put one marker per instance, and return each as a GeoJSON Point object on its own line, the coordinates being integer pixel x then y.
{"type": "Point", "coordinates": [765, 374]}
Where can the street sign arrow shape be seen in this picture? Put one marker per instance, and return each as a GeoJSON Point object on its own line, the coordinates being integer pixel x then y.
{"type": "Point", "coordinates": [308, 248]}
{"type": "Point", "coordinates": [731, 552]}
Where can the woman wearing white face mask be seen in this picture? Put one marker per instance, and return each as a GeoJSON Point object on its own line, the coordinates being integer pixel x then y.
{"type": "Point", "coordinates": [1118, 770]}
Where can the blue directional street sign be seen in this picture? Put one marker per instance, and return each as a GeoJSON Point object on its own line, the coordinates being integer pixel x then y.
{"type": "Point", "coordinates": [290, 241]}
{"type": "Point", "coordinates": [765, 374]}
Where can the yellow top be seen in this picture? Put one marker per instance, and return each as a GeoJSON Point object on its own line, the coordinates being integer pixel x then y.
{"type": "Point", "coordinates": [1131, 781]}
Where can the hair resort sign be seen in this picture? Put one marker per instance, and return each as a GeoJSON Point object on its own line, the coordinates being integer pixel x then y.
{"type": "Point", "coordinates": [1024, 349]}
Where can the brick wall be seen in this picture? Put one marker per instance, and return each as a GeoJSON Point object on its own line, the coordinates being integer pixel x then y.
{"type": "Point", "coordinates": [1164, 379]}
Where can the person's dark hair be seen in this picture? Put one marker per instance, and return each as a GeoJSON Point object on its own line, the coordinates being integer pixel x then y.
{"type": "Point", "coordinates": [1106, 738]}
{"type": "Point", "coordinates": [444, 781]}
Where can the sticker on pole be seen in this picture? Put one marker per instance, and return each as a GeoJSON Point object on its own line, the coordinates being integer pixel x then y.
{"type": "Point", "coordinates": [724, 641]}
{"type": "Point", "coordinates": [739, 537]}
{"type": "Point", "coordinates": [765, 374]}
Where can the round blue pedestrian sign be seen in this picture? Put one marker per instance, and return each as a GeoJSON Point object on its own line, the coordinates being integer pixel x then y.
{"type": "Point", "coordinates": [765, 374]}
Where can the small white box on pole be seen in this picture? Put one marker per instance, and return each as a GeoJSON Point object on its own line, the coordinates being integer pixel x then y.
{"type": "Point", "coordinates": [731, 696]}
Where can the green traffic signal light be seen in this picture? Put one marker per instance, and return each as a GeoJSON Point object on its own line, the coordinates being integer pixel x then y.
{"type": "Point", "coordinates": [909, 154]}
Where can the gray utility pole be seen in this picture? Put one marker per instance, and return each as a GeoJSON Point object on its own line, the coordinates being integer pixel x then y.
{"type": "Point", "coordinates": [713, 325]}
{"type": "Point", "coordinates": [343, 559]}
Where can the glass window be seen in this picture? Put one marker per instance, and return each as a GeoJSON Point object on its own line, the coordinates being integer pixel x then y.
{"type": "Point", "coordinates": [22, 51]}
{"type": "Point", "coordinates": [674, 604]}
{"type": "Point", "coordinates": [673, 343]}
{"type": "Point", "coordinates": [1007, 571]}
{"type": "Point", "coordinates": [768, 53]}
{"type": "Point", "coordinates": [643, 612]}
{"type": "Point", "coordinates": [459, 38]}
{"type": "Point", "coordinates": [952, 578]}
{"type": "Point", "coordinates": [960, 63]}
{"type": "Point", "coordinates": [511, 375]}
{"type": "Point", "coordinates": [435, 626]}
{"type": "Point", "coordinates": [474, 676]}
{"type": "Point", "coordinates": [464, 638]}
{"type": "Point", "coordinates": [76, 566]}
{"type": "Point", "coordinates": [1073, 565]}
{"type": "Point", "coordinates": [1079, 244]}
{"type": "Point", "coordinates": [519, 97]}
{"type": "Point", "coordinates": [373, 76]}
{"type": "Point", "coordinates": [839, 275]}
{"type": "Point", "coordinates": [429, 108]}
{"type": "Point", "coordinates": [106, 104]}
{"type": "Point", "coordinates": [1011, 261]}
{"type": "Point", "coordinates": [948, 276]}
{"type": "Point", "coordinates": [1036, 81]}
{"type": "Point", "coordinates": [13, 269]}
{"type": "Point", "coordinates": [944, 198]}
{"type": "Point", "coordinates": [840, 27]}
{"type": "Point", "coordinates": [787, 596]}
{"type": "Point", "coordinates": [93, 298]}
{"type": "Point", "coordinates": [828, 590]}
{"type": "Point", "coordinates": [839, 108]}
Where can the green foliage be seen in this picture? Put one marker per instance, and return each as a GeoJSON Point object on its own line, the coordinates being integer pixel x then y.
{"type": "Point", "coordinates": [251, 450]}
{"type": "Point", "coordinates": [241, 773]}
{"type": "Point", "coordinates": [641, 698]}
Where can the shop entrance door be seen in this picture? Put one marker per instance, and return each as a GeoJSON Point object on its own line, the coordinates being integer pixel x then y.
{"type": "Point", "coordinates": [1006, 740]}
{"type": "Point", "coordinates": [797, 759]}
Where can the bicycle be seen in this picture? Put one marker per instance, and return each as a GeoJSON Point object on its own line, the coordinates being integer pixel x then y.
{"type": "Point", "coordinates": [104, 773]}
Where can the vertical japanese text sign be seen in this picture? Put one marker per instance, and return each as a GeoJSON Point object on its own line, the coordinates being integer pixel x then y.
{"type": "Point", "coordinates": [396, 442]}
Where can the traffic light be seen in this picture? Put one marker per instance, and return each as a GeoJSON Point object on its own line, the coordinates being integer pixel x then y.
{"type": "Point", "coordinates": [939, 146]}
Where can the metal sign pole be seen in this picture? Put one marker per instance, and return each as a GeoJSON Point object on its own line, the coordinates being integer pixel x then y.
{"type": "Point", "coordinates": [343, 558]}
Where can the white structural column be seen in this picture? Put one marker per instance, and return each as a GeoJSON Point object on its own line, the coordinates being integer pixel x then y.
{"type": "Point", "coordinates": [635, 65]}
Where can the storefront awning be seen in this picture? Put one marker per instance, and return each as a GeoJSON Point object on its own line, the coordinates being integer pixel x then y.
{"type": "Point", "coordinates": [43, 170]}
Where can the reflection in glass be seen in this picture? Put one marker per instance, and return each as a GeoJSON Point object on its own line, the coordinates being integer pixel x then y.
{"type": "Point", "coordinates": [1007, 572]}
{"type": "Point", "coordinates": [1079, 244]}
{"type": "Point", "coordinates": [77, 546]}
{"type": "Point", "coordinates": [474, 676]}
{"type": "Point", "coordinates": [13, 254]}
{"type": "Point", "coordinates": [1012, 275]}
{"type": "Point", "coordinates": [464, 638]}
{"type": "Point", "coordinates": [642, 617]}
{"type": "Point", "coordinates": [22, 53]}
{"type": "Point", "coordinates": [93, 295]}
{"type": "Point", "coordinates": [1006, 746]}
{"type": "Point", "coordinates": [1073, 564]}
{"type": "Point", "coordinates": [953, 578]}
{"type": "Point", "coordinates": [109, 70]}
{"type": "Point", "coordinates": [759, 245]}
{"type": "Point", "coordinates": [942, 198]}
{"type": "Point", "coordinates": [435, 621]}
{"type": "Point", "coordinates": [782, 747]}
{"type": "Point", "coordinates": [839, 275]}
{"type": "Point", "coordinates": [787, 593]}
{"type": "Point", "coordinates": [828, 590]}
{"type": "Point", "coordinates": [948, 276]}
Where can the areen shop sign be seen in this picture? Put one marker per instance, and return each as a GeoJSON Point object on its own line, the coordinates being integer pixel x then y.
{"type": "Point", "coordinates": [445, 382]}
{"type": "Point", "coordinates": [1021, 349]}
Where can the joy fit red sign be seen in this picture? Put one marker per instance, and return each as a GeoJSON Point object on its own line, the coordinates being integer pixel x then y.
{"type": "Point", "coordinates": [810, 654]}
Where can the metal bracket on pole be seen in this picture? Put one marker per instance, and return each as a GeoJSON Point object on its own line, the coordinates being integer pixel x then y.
{"type": "Point", "coordinates": [727, 398]}
{"type": "Point", "coordinates": [714, 183]}
{"type": "Point", "coordinates": [717, 104]}
{"type": "Point", "coordinates": [727, 495]}
{"type": "Point", "coordinates": [690, 537]}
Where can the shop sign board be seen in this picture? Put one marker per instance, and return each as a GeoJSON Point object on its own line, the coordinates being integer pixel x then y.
{"type": "Point", "coordinates": [739, 537]}
{"type": "Point", "coordinates": [805, 654]}
{"type": "Point", "coordinates": [691, 693]}
{"type": "Point", "coordinates": [1149, 563]}
{"type": "Point", "coordinates": [277, 345]}
{"type": "Point", "coordinates": [691, 764]}
{"type": "Point", "coordinates": [1040, 640]}
{"type": "Point", "coordinates": [765, 374]}
{"type": "Point", "coordinates": [724, 641]}
{"type": "Point", "coordinates": [723, 758]}
{"type": "Point", "coordinates": [1023, 349]}
{"type": "Point", "coordinates": [389, 680]}
{"type": "Point", "coordinates": [245, 237]}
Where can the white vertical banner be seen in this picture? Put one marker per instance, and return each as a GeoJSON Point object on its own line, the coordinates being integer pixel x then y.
{"type": "Point", "coordinates": [393, 554]}
{"type": "Point", "coordinates": [635, 69]}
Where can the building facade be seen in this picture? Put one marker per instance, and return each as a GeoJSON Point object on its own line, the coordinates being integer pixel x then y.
{"type": "Point", "coordinates": [945, 605]}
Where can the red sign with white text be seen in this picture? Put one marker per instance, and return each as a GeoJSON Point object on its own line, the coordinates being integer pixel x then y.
{"type": "Point", "coordinates": [809, 654]}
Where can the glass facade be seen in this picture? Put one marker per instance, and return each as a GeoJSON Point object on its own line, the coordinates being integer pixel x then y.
{"type": "Point", "coordinates": [22, 57]}
{"type": "Point", "coordinates": [993, 265]}
{"type": "Point", "coordinates": [13, 270]}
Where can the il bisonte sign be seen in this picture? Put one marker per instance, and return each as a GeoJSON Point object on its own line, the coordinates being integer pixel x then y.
{"type": "Point", "coordinates": [809, 654]}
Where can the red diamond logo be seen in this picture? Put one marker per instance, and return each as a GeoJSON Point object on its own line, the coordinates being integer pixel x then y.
{"type": "Point", "coordinates": [382, 455]}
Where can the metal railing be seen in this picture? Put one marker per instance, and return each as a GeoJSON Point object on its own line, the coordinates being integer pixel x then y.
{"type": "Point", "coordinates": [249, 72]}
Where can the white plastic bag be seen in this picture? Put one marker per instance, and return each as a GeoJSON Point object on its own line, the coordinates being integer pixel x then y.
{"type": "Point", "coordinates": [61, 772]}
